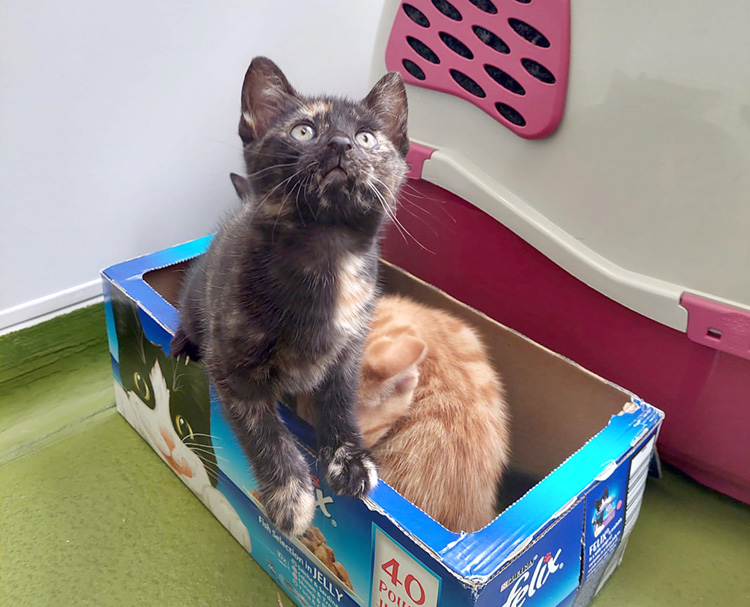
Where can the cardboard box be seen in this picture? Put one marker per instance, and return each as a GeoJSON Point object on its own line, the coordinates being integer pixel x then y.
{"type": "Point", "coordinates": [581, 453]}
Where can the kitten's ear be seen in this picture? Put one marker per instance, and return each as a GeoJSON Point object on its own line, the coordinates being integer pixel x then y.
{"type": "Point", "coordinates": [396, 361]}
{"type": "Point", "coordinates": [388, 100]}
{"type": "Point", "coordinates": [241, 186]}
{"type": "Point", "coordinates": [264, 92]}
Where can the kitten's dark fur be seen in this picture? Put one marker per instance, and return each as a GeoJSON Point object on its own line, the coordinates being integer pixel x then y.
{"type": "Point", "coordinates": [281, 302]}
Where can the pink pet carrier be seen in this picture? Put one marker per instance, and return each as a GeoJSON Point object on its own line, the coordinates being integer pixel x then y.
{"type": "Point", "coordinates": [581, 174]}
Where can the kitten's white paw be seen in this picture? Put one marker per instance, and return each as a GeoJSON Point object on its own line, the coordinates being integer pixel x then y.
{"type": "Point", "coordinates": [372, 472]}
{"type": "Point", "coordinates": [291, 507]}
{"type": "Point", "coordinates": [350, 470]}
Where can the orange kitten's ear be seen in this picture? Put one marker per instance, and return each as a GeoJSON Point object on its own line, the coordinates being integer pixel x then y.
{"type": "Point", "coordinates": [264, 94]}
{"type": "Point", "coordinates": [395, 360]}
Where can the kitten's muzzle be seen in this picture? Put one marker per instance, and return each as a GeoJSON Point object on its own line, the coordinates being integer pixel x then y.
{"type": "Point", "coordinates": [337, 146]}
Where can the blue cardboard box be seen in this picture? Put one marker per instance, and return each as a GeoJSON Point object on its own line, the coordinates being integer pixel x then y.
{"type": "Point", "coordinates": [581, 453]}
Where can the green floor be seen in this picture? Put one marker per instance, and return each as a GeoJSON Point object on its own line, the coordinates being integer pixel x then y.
{"type": "Point", "coordinates": [89, 515]}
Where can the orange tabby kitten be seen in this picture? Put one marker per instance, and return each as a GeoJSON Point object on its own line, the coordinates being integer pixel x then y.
{"type": "Point", "coordinates": [432, 410]}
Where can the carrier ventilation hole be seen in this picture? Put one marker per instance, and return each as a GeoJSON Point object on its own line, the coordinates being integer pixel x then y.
{"type": "Point", "coordinates": [485, 5]}
{"type": "Point", "coordinates": [524, 1]}
{"type": "Point", "coordinates": [423, 50]}
{"type": "Point", "coordinates": [504, 79]}
{"type": "Point", "coordinates": [413, 69]}
{"type": "Point", "coordinates": [456, 46]}
{"type": "Point", "coordinates": [468, 84]}
{"type": "Point", "coordinates": [713, 333]}
{"type": "Point", "coordinates": [492, 40]}
{"type": "Point", "coordinates": [416, 15]}
{"type": "Point", "coordinates": [447, 9]}
{"type": "Point", "coordinates": [510, 114]}
{"type": "Point", "coordinates": [529, 32]}
{"type": "Point", "coordinates": [538, 71]}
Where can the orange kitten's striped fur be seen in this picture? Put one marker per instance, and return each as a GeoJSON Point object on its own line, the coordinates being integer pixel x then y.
{"type": "Point", "coordinates": [432, 410]}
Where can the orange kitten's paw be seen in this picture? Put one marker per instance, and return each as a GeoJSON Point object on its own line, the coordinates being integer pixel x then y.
{"type": "Point", "coordinates": [290, 507]}
{"type": "Point", "coordinates": [350, 470]}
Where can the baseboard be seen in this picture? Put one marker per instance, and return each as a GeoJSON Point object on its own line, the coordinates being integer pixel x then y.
{"type": "Point", "coordinates": [49, 306]}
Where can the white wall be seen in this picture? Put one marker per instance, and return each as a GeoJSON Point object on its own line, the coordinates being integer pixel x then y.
{"type": "Point", "coordinates": [118, 123]}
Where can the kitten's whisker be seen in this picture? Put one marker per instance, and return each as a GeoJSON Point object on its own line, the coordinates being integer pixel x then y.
{"type": "Point", "coordinates": [420, 218]}
{"type": "Point", "coordinates": [401, 226]}
{"type": "Point", "coordinates": [274, 155]}
{"type": "Point", "coordinates": [278, 215]}
{"type": "Point", "coordinates": [417, 194]}
{"type": "Point", "coordinates": [285, 181]}
{"type": "Point", "coordinates": [385, 186]}
{"type": "Point", "coordinates": [270, 168]}
{"type": "Point", "coordinates": [276, 187]}
{"type": "Point", "coordinates": [392, 215]}
{"type": "Point", "coordinates": [288, 194]}
{"type": "Point", "coordinates": [385, 208]}
{"type": "Point", "coordinates": [306, 182]}
{"type": "Point", "coordinates": [405, 199]}
{"type": "Point", "coordinates": [307, 202]}
{"type": "Point", "coordinates": [298, 187]}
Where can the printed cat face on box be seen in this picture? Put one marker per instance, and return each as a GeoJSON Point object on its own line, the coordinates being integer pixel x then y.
{"type": "Point", "coordinates": [168, 398]}
{"type": "Point", "coordinates": [168, 402]}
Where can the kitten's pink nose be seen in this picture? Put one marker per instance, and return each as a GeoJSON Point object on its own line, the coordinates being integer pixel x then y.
{"type": "Point", "coordinates": [340, 143]}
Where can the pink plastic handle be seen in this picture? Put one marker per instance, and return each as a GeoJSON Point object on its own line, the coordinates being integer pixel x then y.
{"type": "Point", "coordinates": [533, 72]}
{"type": "Point", "coordinates": [717, 325]}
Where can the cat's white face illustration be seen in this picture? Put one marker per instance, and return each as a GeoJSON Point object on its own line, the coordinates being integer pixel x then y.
{"type": "Point", "coordinates": [156, 426]}
{"type": "Point", "coordinates": [176, 443]}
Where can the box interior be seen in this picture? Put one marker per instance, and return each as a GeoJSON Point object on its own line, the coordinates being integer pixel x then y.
{"type": "Point", "coordinates": [556, 406]}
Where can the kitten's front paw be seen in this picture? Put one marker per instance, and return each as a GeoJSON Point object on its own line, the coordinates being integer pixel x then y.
{"type": "Point", "coordinates": [181, 346]}
{"type": "Point", "coordinates": [350, 470]}
{"type": "Point", "coordinates": [290, 507]}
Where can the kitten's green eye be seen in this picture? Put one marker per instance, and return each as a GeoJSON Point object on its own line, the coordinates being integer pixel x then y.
{"type": "Point", "coordinates": [303, 132]}
{"type": "Point", "coordinates": [141, 386]}
{"type": "Point", "coordinates": [183, 427]}
{"type": "Point", "coordinates": [366, 139]}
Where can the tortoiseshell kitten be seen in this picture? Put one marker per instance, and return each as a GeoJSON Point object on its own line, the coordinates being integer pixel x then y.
{"type": "Point", "coordinates": [281, 302]}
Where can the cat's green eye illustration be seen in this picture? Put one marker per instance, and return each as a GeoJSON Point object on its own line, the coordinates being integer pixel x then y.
{"type": "Point", "coordinates": [303, 132]}
{"type": "Point", "coordinates": [366, 139]}
{"type": "Point", "coordinates": [183, 427]}
{"type": "Point", "coordinates": [142, 386]}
